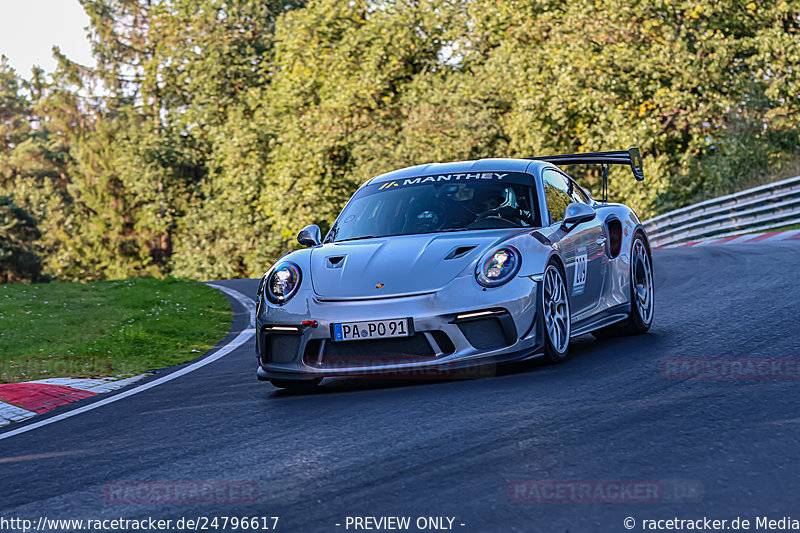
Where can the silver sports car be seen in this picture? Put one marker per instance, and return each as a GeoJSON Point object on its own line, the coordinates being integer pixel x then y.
{"type": "Point", "coordinates": [445, 266]}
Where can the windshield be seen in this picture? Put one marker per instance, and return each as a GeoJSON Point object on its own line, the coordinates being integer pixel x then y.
{"type": "Point", "coordinates": [438, 203]}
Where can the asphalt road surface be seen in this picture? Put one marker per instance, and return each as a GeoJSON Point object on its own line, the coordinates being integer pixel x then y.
{"type": "Point", "coordinates": [719, 449]}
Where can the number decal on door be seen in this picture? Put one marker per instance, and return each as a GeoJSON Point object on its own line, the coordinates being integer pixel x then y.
{"type": "Point", "coordinates": [580, 274]}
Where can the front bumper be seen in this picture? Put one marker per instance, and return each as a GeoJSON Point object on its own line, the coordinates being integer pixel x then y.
{"type": "Point", "coordinates": [458, 327]}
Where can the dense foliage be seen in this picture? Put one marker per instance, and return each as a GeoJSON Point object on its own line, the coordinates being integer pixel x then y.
{"type": "Point", "coordinates": [18, 261]}
{"type": "Point", "coordinates": [211, 131]}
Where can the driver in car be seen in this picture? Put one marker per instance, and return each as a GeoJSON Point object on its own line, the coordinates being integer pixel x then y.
{"type": "Point", "coordinates": [427, 215]}
{"type": "Point", "coordinates": [487, 199]}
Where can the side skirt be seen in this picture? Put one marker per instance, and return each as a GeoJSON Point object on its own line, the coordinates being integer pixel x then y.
{"type": "Point", "coordinates": [610, 316]}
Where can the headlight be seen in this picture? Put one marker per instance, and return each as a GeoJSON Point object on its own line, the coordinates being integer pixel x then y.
{"type": "Point", "coordinates": [498, 267]}
{"type": "Point", "coordinates": [282, 283]}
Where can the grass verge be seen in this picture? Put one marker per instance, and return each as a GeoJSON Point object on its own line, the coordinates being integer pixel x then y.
{"type": "Point", "coordinates": [108, 328]}
{"type": "Point", "coordinates": [781, 228]}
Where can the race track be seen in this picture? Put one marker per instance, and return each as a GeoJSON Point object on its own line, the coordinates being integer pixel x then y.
{"type": "Point", "coordinates": [378, 447]}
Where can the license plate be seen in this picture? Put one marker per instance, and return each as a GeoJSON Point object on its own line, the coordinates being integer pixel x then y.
{"type": "Point", "coordinates": [373, 329]}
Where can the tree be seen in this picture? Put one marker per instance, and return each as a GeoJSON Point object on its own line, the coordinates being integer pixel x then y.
{"type": "Point", "coordinates": [18, 235]}
{"type": "Point", "coordinates": [14, 114]}
{"type": "Point", "coordinates": [34, 156]}
{"type": "Point", "coordinates": [343, 101]}
{"type": "Point", "coordinates": [212, 130]}
{"type": "Point", "coordinates": [685, 80]}
{"type": "Point", "coordinates": [189, 70]}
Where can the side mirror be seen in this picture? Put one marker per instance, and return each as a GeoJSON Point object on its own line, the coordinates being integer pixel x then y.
{"type": "Point", "coordinates": [575, 213]}
{"type": "Point", "coordinates": [309, 236]}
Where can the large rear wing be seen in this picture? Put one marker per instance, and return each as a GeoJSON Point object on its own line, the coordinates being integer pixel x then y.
{"type": "Point", "coordinates": [629, 157]}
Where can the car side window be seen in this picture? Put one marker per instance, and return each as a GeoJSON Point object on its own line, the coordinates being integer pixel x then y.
{"type": "Point", "coordinates": [577, 193]}
{"type": "Point", "coordinates": [557, 196]}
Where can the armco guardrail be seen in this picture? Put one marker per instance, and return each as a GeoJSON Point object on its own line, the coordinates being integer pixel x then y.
{"type": "Point", "coordinates": [761, 208]}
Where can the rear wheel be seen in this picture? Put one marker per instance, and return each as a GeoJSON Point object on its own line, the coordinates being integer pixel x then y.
{"type": "Point", "coordinates": [555, 311]}
{"type": "Point", "coordinates": [642, 295]}
{"type": "Point", "coordinates": [304, 385]}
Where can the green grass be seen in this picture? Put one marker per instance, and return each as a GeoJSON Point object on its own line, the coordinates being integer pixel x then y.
{"type": "Point", "coordinates": [781, 228]}
{"type": "Point", "coordinates": [108, 328]}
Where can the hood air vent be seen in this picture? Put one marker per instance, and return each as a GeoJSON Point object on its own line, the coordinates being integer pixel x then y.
{"type": "Point", "coordinates": [459, 252]}
{"type": "Point", "coordinates": [335, 261]}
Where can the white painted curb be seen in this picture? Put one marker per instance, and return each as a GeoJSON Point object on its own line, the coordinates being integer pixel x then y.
{"type": "Point", "coordinates": [96, 385]}
{"type": "Point", "coordinates": [11, 413]}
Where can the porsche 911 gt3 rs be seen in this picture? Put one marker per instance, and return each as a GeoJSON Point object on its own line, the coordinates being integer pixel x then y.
{"type": "Point", "coordinates": [451, 265]}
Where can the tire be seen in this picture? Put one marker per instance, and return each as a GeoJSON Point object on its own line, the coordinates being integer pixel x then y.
{"type": "Point", "coordinates": [555, 310]}
{"type": "Point", "coordinates": [304, 385]}
{"type": "Point", "coordinates": [642, 295]}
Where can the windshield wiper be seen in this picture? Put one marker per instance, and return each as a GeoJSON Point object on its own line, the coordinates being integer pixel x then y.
{"type": "Point", "coordinates": [357, 238]}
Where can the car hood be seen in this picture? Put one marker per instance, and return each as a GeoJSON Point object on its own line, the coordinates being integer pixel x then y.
{"type": "Point", "coordinates": [395, 266]}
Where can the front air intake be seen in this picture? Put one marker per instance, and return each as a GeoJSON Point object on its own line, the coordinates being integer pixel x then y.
{"type": "Point", "coordinates": [324, 353]}
{"type": "Point", "coordinates": [487, 329]}
{"type": "Point", "coordinates": [279, 344]}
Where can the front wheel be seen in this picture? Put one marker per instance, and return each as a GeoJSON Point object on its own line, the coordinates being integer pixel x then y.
{"type": "Point", "coordinates": [555, 311]}
{"type": "Point", "coordinates": [642, 295]}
